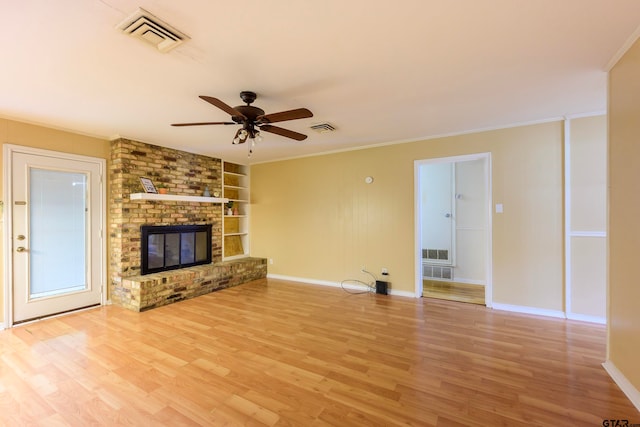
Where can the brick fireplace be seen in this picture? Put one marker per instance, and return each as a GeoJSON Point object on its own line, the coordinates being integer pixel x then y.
{"type": "Point", "coordinates": [184, 174]}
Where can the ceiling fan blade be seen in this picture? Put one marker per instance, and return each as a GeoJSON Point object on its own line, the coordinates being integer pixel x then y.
{"type": "Point", "coordinates": [298, 113]}
{"type": "Point", "coordinates": [283, 132]}
{"type": "Point", "coordinates": [203, 123]}
{"type": "Point", "coordinates": [224, 107]}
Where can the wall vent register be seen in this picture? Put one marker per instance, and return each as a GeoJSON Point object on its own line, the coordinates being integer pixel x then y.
{"type": "Point", "coordinates": [151, 29]}
{"type": "Point", "coordinates": [323, 127]}
{"type": "Point", "coordinates": [437, 271]}
{"type": "Point", "coordinates": [435, 254]}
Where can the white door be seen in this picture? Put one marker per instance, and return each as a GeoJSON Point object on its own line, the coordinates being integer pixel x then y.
{"type": "Point", "coordinates": [438, 219]}
{"type": "Point", "coordinates": [56, 223]}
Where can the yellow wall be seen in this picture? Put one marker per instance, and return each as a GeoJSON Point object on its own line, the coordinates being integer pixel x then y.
{"type": "Point", "coordinates": [589, 173]}
{"type": "Point", "coordinates": [588, 194]}
{"type": "Point", "coordinates": [624, 215]}
{"type": "Point", "coordinates": [317, 219]}
{"type": "Point", "coordinates": [17, 133]}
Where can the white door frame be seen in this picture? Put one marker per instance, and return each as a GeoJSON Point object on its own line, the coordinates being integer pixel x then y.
{"type": "Point", "coordinates": [7, 218]}
{"type": "Point", "coordinates": [488, 289]}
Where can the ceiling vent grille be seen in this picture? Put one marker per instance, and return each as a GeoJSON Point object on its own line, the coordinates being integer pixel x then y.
{"type": "Point", "coordinates": [151, 29]}
{"type": "Point", "coordinates": [323, 127]}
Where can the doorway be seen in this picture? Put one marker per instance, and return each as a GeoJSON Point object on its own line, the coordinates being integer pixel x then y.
{"type": "Point", "coordinates": [453, 228]}
{"type": "Point", "coordinates": [54, 221]}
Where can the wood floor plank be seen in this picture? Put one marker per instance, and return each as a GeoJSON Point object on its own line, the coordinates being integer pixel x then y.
{"type": "Point", "coordinates": [453, 291]}
{"type": "Point", "coordinates": [274, 353]}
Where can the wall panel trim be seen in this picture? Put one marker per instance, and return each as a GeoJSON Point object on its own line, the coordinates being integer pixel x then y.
{"type": "Point", "coordinates": [587, 234]}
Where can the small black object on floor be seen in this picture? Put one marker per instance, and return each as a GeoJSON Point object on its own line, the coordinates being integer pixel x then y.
{"type": "Point", "coordinates": [381, 287]}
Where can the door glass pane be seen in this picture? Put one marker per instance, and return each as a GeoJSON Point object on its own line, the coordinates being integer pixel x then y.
{"type": "Point", "coordinates": [201, 246]}
{"type": "Point", "coordinates": [172, 249]}
{"type": "Point", "coordinates": [186, 248]}
{"type": "Point", "coordinates": [155, 251]}
{"type": "Point", "coordinates": [58, 233]}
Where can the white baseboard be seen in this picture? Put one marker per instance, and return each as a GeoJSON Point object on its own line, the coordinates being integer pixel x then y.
{"type": "Point", "coordinates": [549, 313]}
{"type": "Point", "coordinates": [469, 281]}
{"type": "Point", "coordinates": [587, 318]}
{"type": "Point", "coordinates": [2, 326]}
{"type": "Point", "coordinates": [627, 388]}
{"type": "Point", "coordinates": [405, 294]}
{"type": "Point", "coordinates": [528, 310]}
{"type": "Point", "coordinates": [303, 280]}
{"type": "Point", "coordinates": [333, 284]}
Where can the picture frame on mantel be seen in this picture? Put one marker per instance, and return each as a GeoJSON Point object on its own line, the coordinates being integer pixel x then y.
{"type": "Point", "coordinates": [148, 186]}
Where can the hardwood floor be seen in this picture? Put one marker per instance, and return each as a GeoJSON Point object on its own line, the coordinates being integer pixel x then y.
{"type": "Point", "coordinates": [285, 354]}
{"type": "Point", "coordinates": [453, 291]}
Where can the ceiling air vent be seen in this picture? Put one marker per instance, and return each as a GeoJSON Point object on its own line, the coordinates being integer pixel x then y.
{"type": "Point", "coordinates": [323, 127]}
{"type": "Point", "coordinates": [145, 26]}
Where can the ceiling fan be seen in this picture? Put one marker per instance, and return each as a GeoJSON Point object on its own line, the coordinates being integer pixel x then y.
{"type": "Point", "coordinates": [254, 120]}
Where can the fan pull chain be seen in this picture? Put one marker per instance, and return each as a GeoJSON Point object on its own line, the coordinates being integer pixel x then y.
{"type": "Point", "coordinates": [252, 143]}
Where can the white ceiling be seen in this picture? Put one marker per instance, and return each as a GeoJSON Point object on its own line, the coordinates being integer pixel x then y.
{"type": "Point", "coordinates": [379, 71]}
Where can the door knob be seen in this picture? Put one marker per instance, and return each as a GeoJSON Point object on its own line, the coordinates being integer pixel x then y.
{"type": "Point", "coordinates": [21, 249]}
{"type": "Point", "coordinates": [447, 215]}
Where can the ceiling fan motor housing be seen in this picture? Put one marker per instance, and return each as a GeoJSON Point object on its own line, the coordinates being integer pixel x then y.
{"type": "Point", "coordinates": [249, 111]}
{"type": "Point", "coordinates": [248, 96]}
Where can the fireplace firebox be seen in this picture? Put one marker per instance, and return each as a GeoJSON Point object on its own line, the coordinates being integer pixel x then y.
{"type": "Point", "coordinates": [174, 246]}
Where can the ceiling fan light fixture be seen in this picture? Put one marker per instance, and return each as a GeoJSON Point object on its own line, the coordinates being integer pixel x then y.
{"type": "Point", "coordinates": [236, 138]}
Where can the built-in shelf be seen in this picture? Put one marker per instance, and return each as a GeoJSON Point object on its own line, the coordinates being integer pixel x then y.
{"type": "Point", "coordinates": [176, 197]}
{"type": "Point", "coordinates": [235, 187]}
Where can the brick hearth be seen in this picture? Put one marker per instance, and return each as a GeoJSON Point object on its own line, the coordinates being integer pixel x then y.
{"type": "Point", "coordinates": [142, 293]}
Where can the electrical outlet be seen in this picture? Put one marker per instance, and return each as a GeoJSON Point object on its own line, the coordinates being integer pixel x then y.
{"type": "Point", "coordinates": [363, 268]}
{"type": "Point", "coordinates": [271, 261]}
{"type": "Point", "coordinates": [385, 272]}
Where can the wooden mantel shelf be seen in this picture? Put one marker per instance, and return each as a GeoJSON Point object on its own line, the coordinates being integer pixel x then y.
{"type": "Point", "coordinates": [176, 197]}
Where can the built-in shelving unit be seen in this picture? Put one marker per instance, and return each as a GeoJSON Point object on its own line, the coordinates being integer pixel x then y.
{"type": "Point", "coordinates": [235, 240]}
{"type": "Point", "coordinates": [177, 197]}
